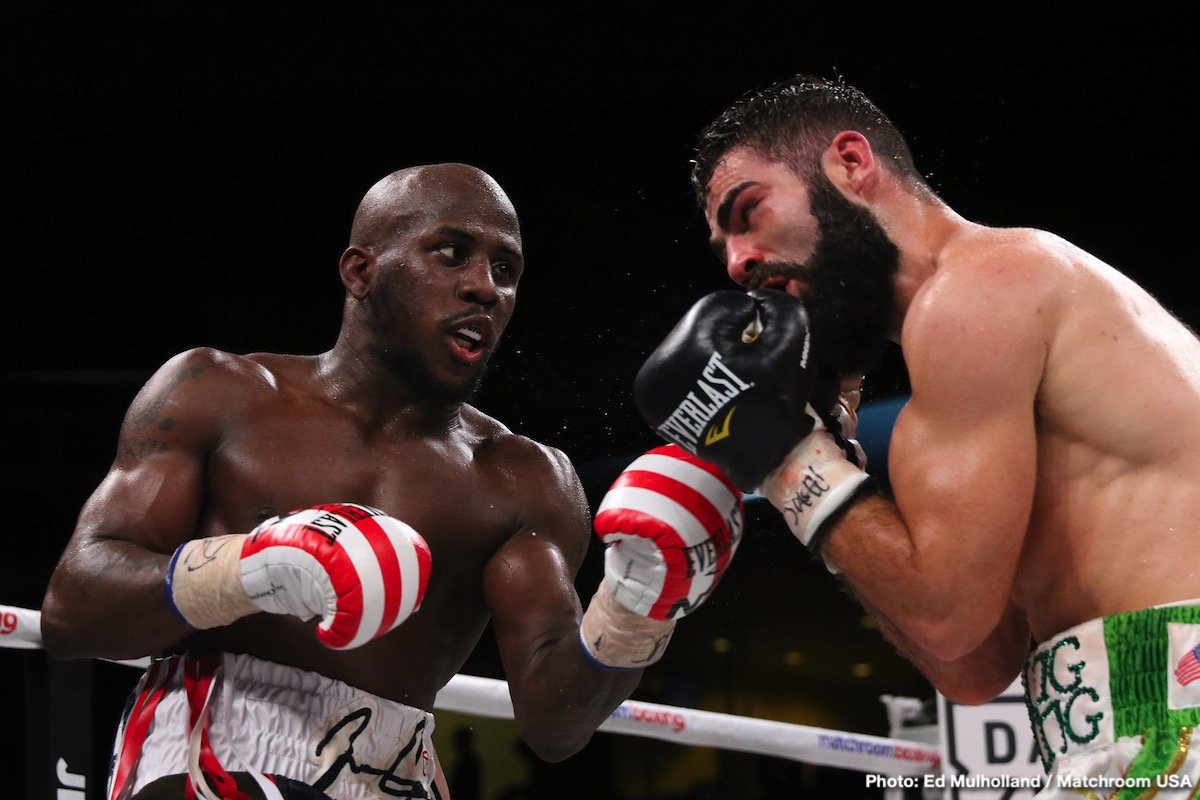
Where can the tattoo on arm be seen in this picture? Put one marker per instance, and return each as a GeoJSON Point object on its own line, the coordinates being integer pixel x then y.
{"type": "Point", "coordinates": [148, 414]}
{"type": "Point", "coordinates": [139, 447]}
{"type": "Point", "coordinates": [146, 419]}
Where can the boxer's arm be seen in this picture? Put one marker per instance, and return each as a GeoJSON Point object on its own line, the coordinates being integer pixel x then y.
{"type": "Point", "coordinates": [105, 598]}
{"type": "Point", "coordinates": [940, 563]}
{"type": "Point", "coordinates": [978, 676]}
{"type": "Point", "coordinates": [987, 670]}
{"type": "Point", "coordinates": [559, 696]}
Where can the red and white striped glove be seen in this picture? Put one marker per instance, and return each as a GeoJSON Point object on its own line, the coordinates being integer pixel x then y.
{"type": "Point", "coordinates": [358, 571]}
{"type": "Point", "coordinates": [672, 522]}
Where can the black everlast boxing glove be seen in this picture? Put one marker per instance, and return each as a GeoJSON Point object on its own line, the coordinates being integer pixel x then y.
{"type": "Point", "coordinates": [731, 381]}
{"type": "Point", "coordinates": [734, 382]}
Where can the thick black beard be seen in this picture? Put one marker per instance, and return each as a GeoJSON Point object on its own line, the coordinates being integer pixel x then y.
{"type": "Point", "coordinates": [850, 279]}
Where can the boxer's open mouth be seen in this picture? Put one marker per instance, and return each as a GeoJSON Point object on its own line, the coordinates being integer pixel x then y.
{"type": "Point", "coordinates": [469, 336]}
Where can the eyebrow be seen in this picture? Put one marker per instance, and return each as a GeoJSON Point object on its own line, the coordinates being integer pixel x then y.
{"type": "Point", "coordinates": [723, 211]}
{"type": "Point", "coordinates": [726, 206]}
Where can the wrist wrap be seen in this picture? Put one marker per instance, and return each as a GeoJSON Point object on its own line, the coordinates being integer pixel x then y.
{"type": "Point", "coordinates": [615, 637]}
{"type": "Point", "coordinates": [204, 582]}
{"type": "Point", "coordinates": [813, 484]}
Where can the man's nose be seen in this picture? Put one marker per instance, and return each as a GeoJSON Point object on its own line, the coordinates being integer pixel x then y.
{"type": "Point", "coordinates": [477, 284]}
{"type": "Point", "coordinates": [742, 258]}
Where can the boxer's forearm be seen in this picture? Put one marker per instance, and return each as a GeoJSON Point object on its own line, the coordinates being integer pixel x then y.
{"type": "Point", "coordinates": [977, 676]}
{"type": "Point", "coordinates": [106, 600]}
{"type": "Point", "coordinates": [918, 577]}
{"type": "Point", "coordinates": [563, 697]}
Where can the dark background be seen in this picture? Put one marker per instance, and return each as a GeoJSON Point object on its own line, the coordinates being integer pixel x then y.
{"type": "Point", "coordinates": [175, 175]}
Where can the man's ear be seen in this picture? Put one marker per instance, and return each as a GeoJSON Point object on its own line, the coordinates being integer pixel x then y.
{"type": "Point", "coordinates": [850, 163]}
{"type": "Point", "coordinates": [357, 268]}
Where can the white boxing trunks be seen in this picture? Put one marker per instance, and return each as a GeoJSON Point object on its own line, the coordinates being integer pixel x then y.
{"type": "Point", "coordinates": [207, 716]}
{"type": "Point", "coordinates": [1115, 706]}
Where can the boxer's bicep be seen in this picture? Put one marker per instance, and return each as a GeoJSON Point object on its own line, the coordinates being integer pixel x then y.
{"type": "Point", "coordinates": [965, 501]}
{"type": "Point", "coordinates": [152, 504]}
{"type": "Point", "coordinates": [529, 591]}
{"type": "Point", "coordinates": [963, 459]}
{"type": "Point", "coordinates": [964, 493]}
{"type": "Point", "coordinates": [529, 581]}
{"type": "Point", "coordinates": [963, 462]}
{"type": "Point", "coordinates": [151, 495]}
{"type": "Point", "coordinates": [112, 568]}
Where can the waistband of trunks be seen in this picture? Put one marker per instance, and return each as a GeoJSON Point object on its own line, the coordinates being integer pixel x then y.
{"type": "Point", "coordinates": [1114, 677]}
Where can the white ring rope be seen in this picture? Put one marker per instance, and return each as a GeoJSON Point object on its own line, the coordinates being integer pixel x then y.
{"type": "Point", "coordinates": [486, 697]}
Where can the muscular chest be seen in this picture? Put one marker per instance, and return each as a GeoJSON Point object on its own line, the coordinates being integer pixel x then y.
{"type": "Point", "coordinates": [282, 462]}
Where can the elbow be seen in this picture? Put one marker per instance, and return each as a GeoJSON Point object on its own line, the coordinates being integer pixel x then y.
{"type": "Point", "coordinates": [969, 667]}
{"type": "Point", "coordinates": [972, 691]}
{"type": "Point", "coordinates": [553, 746]}
{"type": "Point", "coordinates": [58, 637]}
{"type": "Point", "coordinates": [942, 640]}
{"type": "Point", "coordinates": [67, 632]}
{"type": "Point", "coordinates": [60, 629]}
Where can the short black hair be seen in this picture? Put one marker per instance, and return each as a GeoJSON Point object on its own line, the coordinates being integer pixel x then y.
{"type": "Point", "coordinates": [793, 121]}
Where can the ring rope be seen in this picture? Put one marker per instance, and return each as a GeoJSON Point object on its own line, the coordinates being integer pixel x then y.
{"type": "Point", "coordinates": [20, 628]}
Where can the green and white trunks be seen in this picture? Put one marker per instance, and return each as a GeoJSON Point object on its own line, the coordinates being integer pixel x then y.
{"type": "Point", "coordinates": [1114, 703]}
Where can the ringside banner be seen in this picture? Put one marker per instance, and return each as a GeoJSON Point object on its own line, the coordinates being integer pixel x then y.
{"type": "Point", "coordinates": [988, 751]}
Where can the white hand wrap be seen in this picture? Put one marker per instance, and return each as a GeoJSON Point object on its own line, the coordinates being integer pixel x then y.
{"type": "Point", "coordinates": [204, 582]}
{"type": "Point", "coordinates": [814, 481]}
{"type": "Point", "coordinates": [616, 637]}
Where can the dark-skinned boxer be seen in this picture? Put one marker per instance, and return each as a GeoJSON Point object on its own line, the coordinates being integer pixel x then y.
{"type": "Point", "coordinates": [314, 544]}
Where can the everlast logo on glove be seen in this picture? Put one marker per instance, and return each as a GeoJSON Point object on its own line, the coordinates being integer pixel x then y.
{"type": "Point", "coordinates": [720, 385]}
{"type": "Point", "coordinates": [704, 558]}
{"type": "Point", "coordinates": [338, 517]}
{"type": "Point", "coordinates": [730, 382]}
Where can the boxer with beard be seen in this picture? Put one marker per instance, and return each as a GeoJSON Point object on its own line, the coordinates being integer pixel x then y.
{"type": "Point", "coordinates": [1043, 474]}
{"type": "Point", "coordinates": [848, 282]}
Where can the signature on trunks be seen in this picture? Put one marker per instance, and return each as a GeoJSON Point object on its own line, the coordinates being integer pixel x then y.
{"type": "Point", "coordinates": [399, 778]}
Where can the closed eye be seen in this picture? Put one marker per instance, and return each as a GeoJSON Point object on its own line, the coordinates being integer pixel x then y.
{"type": "Point", "coordinates": [744, 213]}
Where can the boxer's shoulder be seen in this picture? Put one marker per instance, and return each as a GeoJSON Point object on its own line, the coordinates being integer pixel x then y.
{"type": "Point", "coordinates": [191, 391]}
{"type": "Point", "coordinates": [208, 367]}
{"type": "Point", "coordinates": [995, 281]}
{"type": "Point", "coordinates": [1003, 261]}
{"type": "Point", "coordinates": [519, 467]}
{"type": "Point", "coordinates": [235, 382]}
{"type": "Point", "coordinates": [198, 393]}
{"type": "Point", "coordinates": [518, 456]}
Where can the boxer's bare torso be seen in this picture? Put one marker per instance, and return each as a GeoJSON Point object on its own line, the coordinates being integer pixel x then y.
{"type": "Point", "coordinates": [1115, 418]}
{"type": "Point", "coordinates": [216, 443]}
{"type": "Point", "coordinates": [1045, 467]}
{"type": "Point", "coordinates": [280, 439]}
{"type": "Point", "coordinates": [228, 441]}
{"type": "Point", "coordinates": [1116, 512]}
